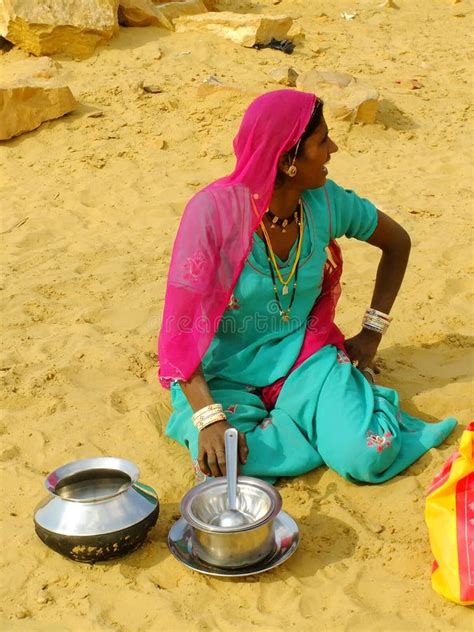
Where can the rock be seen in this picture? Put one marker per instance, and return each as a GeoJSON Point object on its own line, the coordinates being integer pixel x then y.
{"type": "Point", "coordinates": [149, 86]}
{"type": "Point", "coordinates": [22, 613]}
{"type": "Point", "coordinates": [296, 34]}
{"type": "Point", "coordinates": [241, 28]}
{"type": "Point", "coordinates": [285, 75]}
{"type": "Point", "coordinates": [5, 45]}
{"type": "Point", "coordinates": [210, 5]}
{"type": "Point", "coordinates": [358, 103]}
{"type": "Point", "coordinates": [31, 93]}
{"type": "Point", "coordinates": [44, 597]}
{"type": "Point", "coordinates": [173, 10]}
{"type": "Point", "coordinates": [410, 84]}
{"type": "Point", "coordinates": [211, 84]}
{"type": "Point", "coordinates": [463, 8]}
{"type": "Point", "coordinates": [343, 95]}
{"type": "Point", "coordinates": [62, 26]}
{"type": "Point", "coordinates": [9, 452]}
{"type": "Point", "coordinates": [212, 80]}
{"type": "Point", "coordinates": [141, 13]}
{"type": "Point", "coordinates": [312, 79]}
{"type": "Point", "coordinates": [95, 114]}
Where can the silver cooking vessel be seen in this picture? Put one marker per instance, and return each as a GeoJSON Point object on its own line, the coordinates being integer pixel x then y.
{"type": "Point", "coordinates": [96, 509]}
{"type": "Point", "coordinates": [232, 547]}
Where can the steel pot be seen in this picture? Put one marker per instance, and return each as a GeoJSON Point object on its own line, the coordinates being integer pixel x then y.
{"type": "Point", "coordinates": [232, 547]}
{"type": "Point", "coordinates": [96, 510]}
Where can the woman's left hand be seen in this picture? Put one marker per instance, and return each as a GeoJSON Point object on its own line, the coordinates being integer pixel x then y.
{"type": "Point", "coordinates": [362, 348]}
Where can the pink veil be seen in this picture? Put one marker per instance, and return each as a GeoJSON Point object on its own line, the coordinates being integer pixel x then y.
{"type": "Point", "coordinates": [215, 234]}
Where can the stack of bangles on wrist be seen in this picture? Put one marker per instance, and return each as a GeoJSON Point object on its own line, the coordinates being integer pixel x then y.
{"type": "Point", "coordinates": [371, 372]}
{"type": "Point", "coordinates": [208, 415]}
{"type": "Point", "coordinates": [376, 321]}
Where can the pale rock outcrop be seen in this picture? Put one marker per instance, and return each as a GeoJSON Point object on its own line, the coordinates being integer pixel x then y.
{"type": "Point", "coordinates": [344, 96]}
{"type": "Point", "coordinates": [141, 13]}
{"type": "Point", "coordinates": [73, 27]}
{"type": "Point", "coordinates": [241, 28]}
{"type": "Point", "coordinates": [286, 75]}
{"type": "Point", "coordinates": [31, 92]}
{"type": "Point", "coordinates": [158, 13]}
{"type": "Point", "coordinates": [329, 77]}
{"type": "Point", "coordinates": [296, 34]}
{"type": "Point", "coordinates": [210, 5]}
{"type": "Point", "coordinates": [179, 8]}
{"type": "Point", "coordinates": [360, 104]}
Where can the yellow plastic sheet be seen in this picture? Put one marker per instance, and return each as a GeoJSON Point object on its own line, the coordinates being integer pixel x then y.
{"type": "Point", "coordinates": [449, 515]}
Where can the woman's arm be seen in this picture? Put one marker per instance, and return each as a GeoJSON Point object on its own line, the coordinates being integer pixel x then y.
{"type": "Point", "coordinates": [211, 455]}
{"type": "Point", "coordinates": [395, 244]}
{"type": "Point", "coordinates": [197, 391]}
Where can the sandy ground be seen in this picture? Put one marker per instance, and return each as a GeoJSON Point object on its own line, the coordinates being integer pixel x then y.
{"type": "Point", "coordinates": [84, 277]}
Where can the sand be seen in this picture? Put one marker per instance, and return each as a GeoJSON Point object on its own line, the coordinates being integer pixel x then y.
{"type": "Point", "coordinates": [90, 206]}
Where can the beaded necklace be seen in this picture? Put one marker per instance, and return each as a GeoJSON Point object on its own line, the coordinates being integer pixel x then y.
{"type": "Point", "coordinates": [283, 223]}
{"type": "Point", "coordinates": [285, 314]}
{"type": "Point", "coordinates": [285, 282]}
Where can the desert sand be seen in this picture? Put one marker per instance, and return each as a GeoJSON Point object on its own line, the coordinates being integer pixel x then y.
{"type": "Point", "coordinates": [90, 206]}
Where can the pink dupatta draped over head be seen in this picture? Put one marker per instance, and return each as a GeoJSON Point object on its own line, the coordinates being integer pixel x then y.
{"type": "Point", "coordinates": [215, 235]}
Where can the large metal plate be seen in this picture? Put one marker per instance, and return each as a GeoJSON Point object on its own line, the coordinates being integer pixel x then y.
{"type": "Point", "coordinates": [287, 538]}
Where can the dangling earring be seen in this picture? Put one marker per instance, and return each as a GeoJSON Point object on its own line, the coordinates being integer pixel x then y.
{"type": "Point", "coordinates": [292, 169]}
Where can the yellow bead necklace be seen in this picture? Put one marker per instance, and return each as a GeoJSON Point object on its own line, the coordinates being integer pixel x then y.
{"type": "Point", "coordinates": [286, 282]}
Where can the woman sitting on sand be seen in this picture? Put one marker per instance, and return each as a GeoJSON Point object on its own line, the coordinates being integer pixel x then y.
{"type": "Point", "coordinates": [248, 336]}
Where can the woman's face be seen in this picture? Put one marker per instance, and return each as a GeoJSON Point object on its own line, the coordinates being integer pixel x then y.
{"type": "Point", "coordinates": [311, 161]}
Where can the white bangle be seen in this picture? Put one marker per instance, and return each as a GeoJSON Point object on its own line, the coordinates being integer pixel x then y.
{"type": "Point", "coordinates": [379, 328]}
{"type": "Point", "coordinates": [370, 311]}
{"type": "Point", "coordinates": [377, 321]}
{"type": "Point", "coordinates": [208, 415]}
{"type": "Point", "coordinates": [200, 425]}
{"type": "Point", "coordinates": [370, 372]}
{"type": "Point", "coordinates": [211, 408]}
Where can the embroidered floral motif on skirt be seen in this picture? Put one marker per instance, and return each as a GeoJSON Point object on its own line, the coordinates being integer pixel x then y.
{"type": "Point", "coordinates": [379, 442]}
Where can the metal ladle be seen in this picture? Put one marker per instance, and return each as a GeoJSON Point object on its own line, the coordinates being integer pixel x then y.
{"type": "Point", "coordinates": [231, 517]}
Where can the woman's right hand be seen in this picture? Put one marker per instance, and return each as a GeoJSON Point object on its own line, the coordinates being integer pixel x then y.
{"type": "Point", "coordinates": [211, 455]}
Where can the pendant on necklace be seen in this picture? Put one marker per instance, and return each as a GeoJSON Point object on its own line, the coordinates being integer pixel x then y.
{"type": "Point", "coordinates": [284, 316]}
{"type": "Point", "coordinates": [285, 290]}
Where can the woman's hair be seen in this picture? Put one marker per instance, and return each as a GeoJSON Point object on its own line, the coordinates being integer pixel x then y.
{"type": "Point", "coordinates": [313, 123]}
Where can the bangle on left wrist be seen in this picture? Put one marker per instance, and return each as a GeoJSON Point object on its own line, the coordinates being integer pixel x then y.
{"type": "Point", "coordinates": [376, 321]}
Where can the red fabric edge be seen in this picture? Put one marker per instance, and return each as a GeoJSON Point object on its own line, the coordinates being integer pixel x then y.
{"type": "Point", "coordinates": [443, 474]}
{"type": "Point", "coordinates": [465, 535]}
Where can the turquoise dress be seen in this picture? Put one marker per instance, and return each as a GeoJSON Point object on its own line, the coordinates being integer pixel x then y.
{"type": "Point", "coordinates": [327, 412]}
